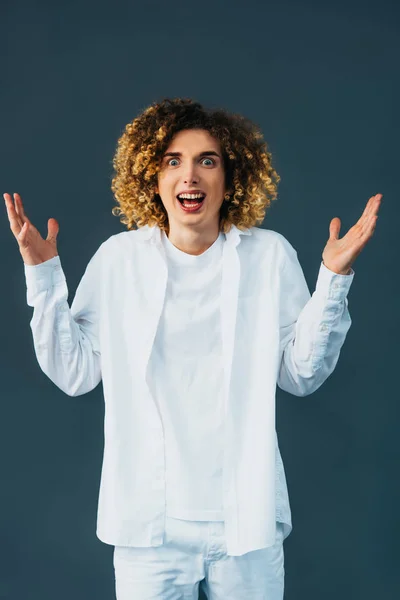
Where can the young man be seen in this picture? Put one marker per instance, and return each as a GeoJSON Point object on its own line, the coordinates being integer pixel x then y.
{"type": "Point", "coordinates": [191, 320]}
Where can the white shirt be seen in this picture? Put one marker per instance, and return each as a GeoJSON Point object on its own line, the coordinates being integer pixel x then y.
{"type": "Point", "coordinates": [185, 378]}
{"type": "Point", "coordinates": [272, 333]}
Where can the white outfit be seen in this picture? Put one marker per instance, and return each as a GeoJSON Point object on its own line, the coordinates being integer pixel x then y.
{"type": "Point", "coordinates": [185, 377]}
{"type": "Point", "coordinates": [194, 556]}
{"type": "Point", "coordinates": [190, 350]}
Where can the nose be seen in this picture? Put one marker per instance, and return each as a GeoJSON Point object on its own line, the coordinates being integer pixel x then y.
{"type": "Point", "coordinates": [190, 175]}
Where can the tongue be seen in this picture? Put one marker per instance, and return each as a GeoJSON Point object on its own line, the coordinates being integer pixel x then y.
{"type": "Point", "coordinates": [186, 202]}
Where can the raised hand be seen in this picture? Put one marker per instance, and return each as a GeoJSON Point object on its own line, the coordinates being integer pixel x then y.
{"type": "Point", "coordinates": [339, 254]}
{"type": "Point", "coordinates": [33, 248]}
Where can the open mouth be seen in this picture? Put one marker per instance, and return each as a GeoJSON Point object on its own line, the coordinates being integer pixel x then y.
{"type": "Point", "coordinates": [191, 202]}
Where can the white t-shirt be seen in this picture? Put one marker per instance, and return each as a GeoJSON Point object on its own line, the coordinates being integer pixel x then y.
{"type": "Point", "coordinates": [185, 377]}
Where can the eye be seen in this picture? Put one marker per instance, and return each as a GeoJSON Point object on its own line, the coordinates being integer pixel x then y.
{"type": "Point", "coordinates": [206, 158]}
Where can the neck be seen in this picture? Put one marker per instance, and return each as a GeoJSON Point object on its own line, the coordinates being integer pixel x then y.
{"type": "Point", "coordinates": [193, 242]}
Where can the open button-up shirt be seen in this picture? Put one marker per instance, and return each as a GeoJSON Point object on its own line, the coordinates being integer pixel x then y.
{"type": "Point", "coordinates": [273, 333]}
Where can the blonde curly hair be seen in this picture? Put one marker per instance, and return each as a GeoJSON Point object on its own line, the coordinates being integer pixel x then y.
{"type": "Point", "coordinates": [138, 157]}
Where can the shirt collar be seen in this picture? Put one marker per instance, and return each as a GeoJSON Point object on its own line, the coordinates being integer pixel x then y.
{"type": "Point", "coordinates": [153, 234]}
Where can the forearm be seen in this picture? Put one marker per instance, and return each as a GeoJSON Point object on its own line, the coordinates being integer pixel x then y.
{"type": "Point", "coordinates": [311, 344]}
{"type": "Point", "coordinates": [65, 348]}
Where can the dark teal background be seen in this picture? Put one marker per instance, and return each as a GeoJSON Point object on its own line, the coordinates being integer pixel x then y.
{"type": "Point", "coordinates": [322, 81]}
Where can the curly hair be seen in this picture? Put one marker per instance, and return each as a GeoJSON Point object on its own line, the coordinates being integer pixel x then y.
{"type": "Point", "coordinates": [138, 157]}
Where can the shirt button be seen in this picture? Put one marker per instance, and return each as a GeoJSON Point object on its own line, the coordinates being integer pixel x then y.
{"type": "Point", "coordinates": [323, 327]}
{"type": "Point", "coordinates": [335, 286]}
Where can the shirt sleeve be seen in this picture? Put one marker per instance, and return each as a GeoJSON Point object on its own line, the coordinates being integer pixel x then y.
{"type": "Point", "coordinates": [66, 340]}
{"type": "Point", "coordinates": [312, 328]}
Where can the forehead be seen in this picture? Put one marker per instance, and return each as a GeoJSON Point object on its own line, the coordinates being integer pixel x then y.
{"type": "Point", "coordinates": [193, 139]}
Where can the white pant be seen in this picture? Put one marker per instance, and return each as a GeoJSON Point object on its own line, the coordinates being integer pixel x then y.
{"type": "Point", "coordinates": [193, 554]}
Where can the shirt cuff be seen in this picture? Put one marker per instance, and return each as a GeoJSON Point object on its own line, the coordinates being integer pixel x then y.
{"type": "Point", "coordinates": [44, 275]}
{"type": "Point", "coordinates": [333, 285]}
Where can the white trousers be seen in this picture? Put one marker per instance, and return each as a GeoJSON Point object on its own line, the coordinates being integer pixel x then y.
{"type": "Point", "coordinates": [194, 554]}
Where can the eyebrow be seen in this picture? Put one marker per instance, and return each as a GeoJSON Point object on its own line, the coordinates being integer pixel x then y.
{"type": "Point", "coordinates": [206, 153]}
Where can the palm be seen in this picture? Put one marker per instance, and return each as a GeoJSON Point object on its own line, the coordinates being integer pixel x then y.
{"type": "Point", "coordinates": [339, 254]}
{"type": "Point", "coordinates": [34, 239]}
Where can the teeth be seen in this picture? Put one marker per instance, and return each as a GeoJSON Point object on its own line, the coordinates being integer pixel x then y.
{"type": "Point", "coordinates": [190, 196]}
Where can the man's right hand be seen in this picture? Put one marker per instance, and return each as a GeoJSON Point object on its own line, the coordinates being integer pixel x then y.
{"type": "Point", "coordinates": [33, 248]}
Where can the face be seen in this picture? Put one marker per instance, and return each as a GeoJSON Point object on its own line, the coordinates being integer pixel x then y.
{"type": "Point", "coordinates": [193, 161]}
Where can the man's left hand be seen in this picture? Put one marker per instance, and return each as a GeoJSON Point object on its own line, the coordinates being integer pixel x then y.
{"type": "Point", "coordinates": [339, 254]}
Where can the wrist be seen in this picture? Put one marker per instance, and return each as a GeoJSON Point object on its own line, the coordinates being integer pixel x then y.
{"type": "Point", "coordinates": [343, 272]}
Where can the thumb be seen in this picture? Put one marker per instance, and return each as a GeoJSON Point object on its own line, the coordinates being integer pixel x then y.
{"type": "Point", "coordinates": [53, 229]}
{"type": "Point", "coordinates": [334, 228]}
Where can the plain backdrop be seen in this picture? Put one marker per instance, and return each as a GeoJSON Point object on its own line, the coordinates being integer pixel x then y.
{"type": "Point", "coordinates": [321, 79]}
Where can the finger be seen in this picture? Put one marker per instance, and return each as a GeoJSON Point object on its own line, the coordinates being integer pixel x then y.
{"type": "Point", "coordinates": [52, 228]}
{"type": "Point", "coordinates": [19, 208]}
{"type": "Point", "coordinates": [367, 208]}
{"type": "Point", "coordinates": [377, 203]}
{"type": "Point", "coordinates": [369, 225]}
{"type": "Point", "coordinates": [15, 221]}
{"type": "Point", "coordinates": [370, 209]}
{"type": "Point", "coordinates": [373, 204]}
{"type": "Point", "coordinates": [22, 234]}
